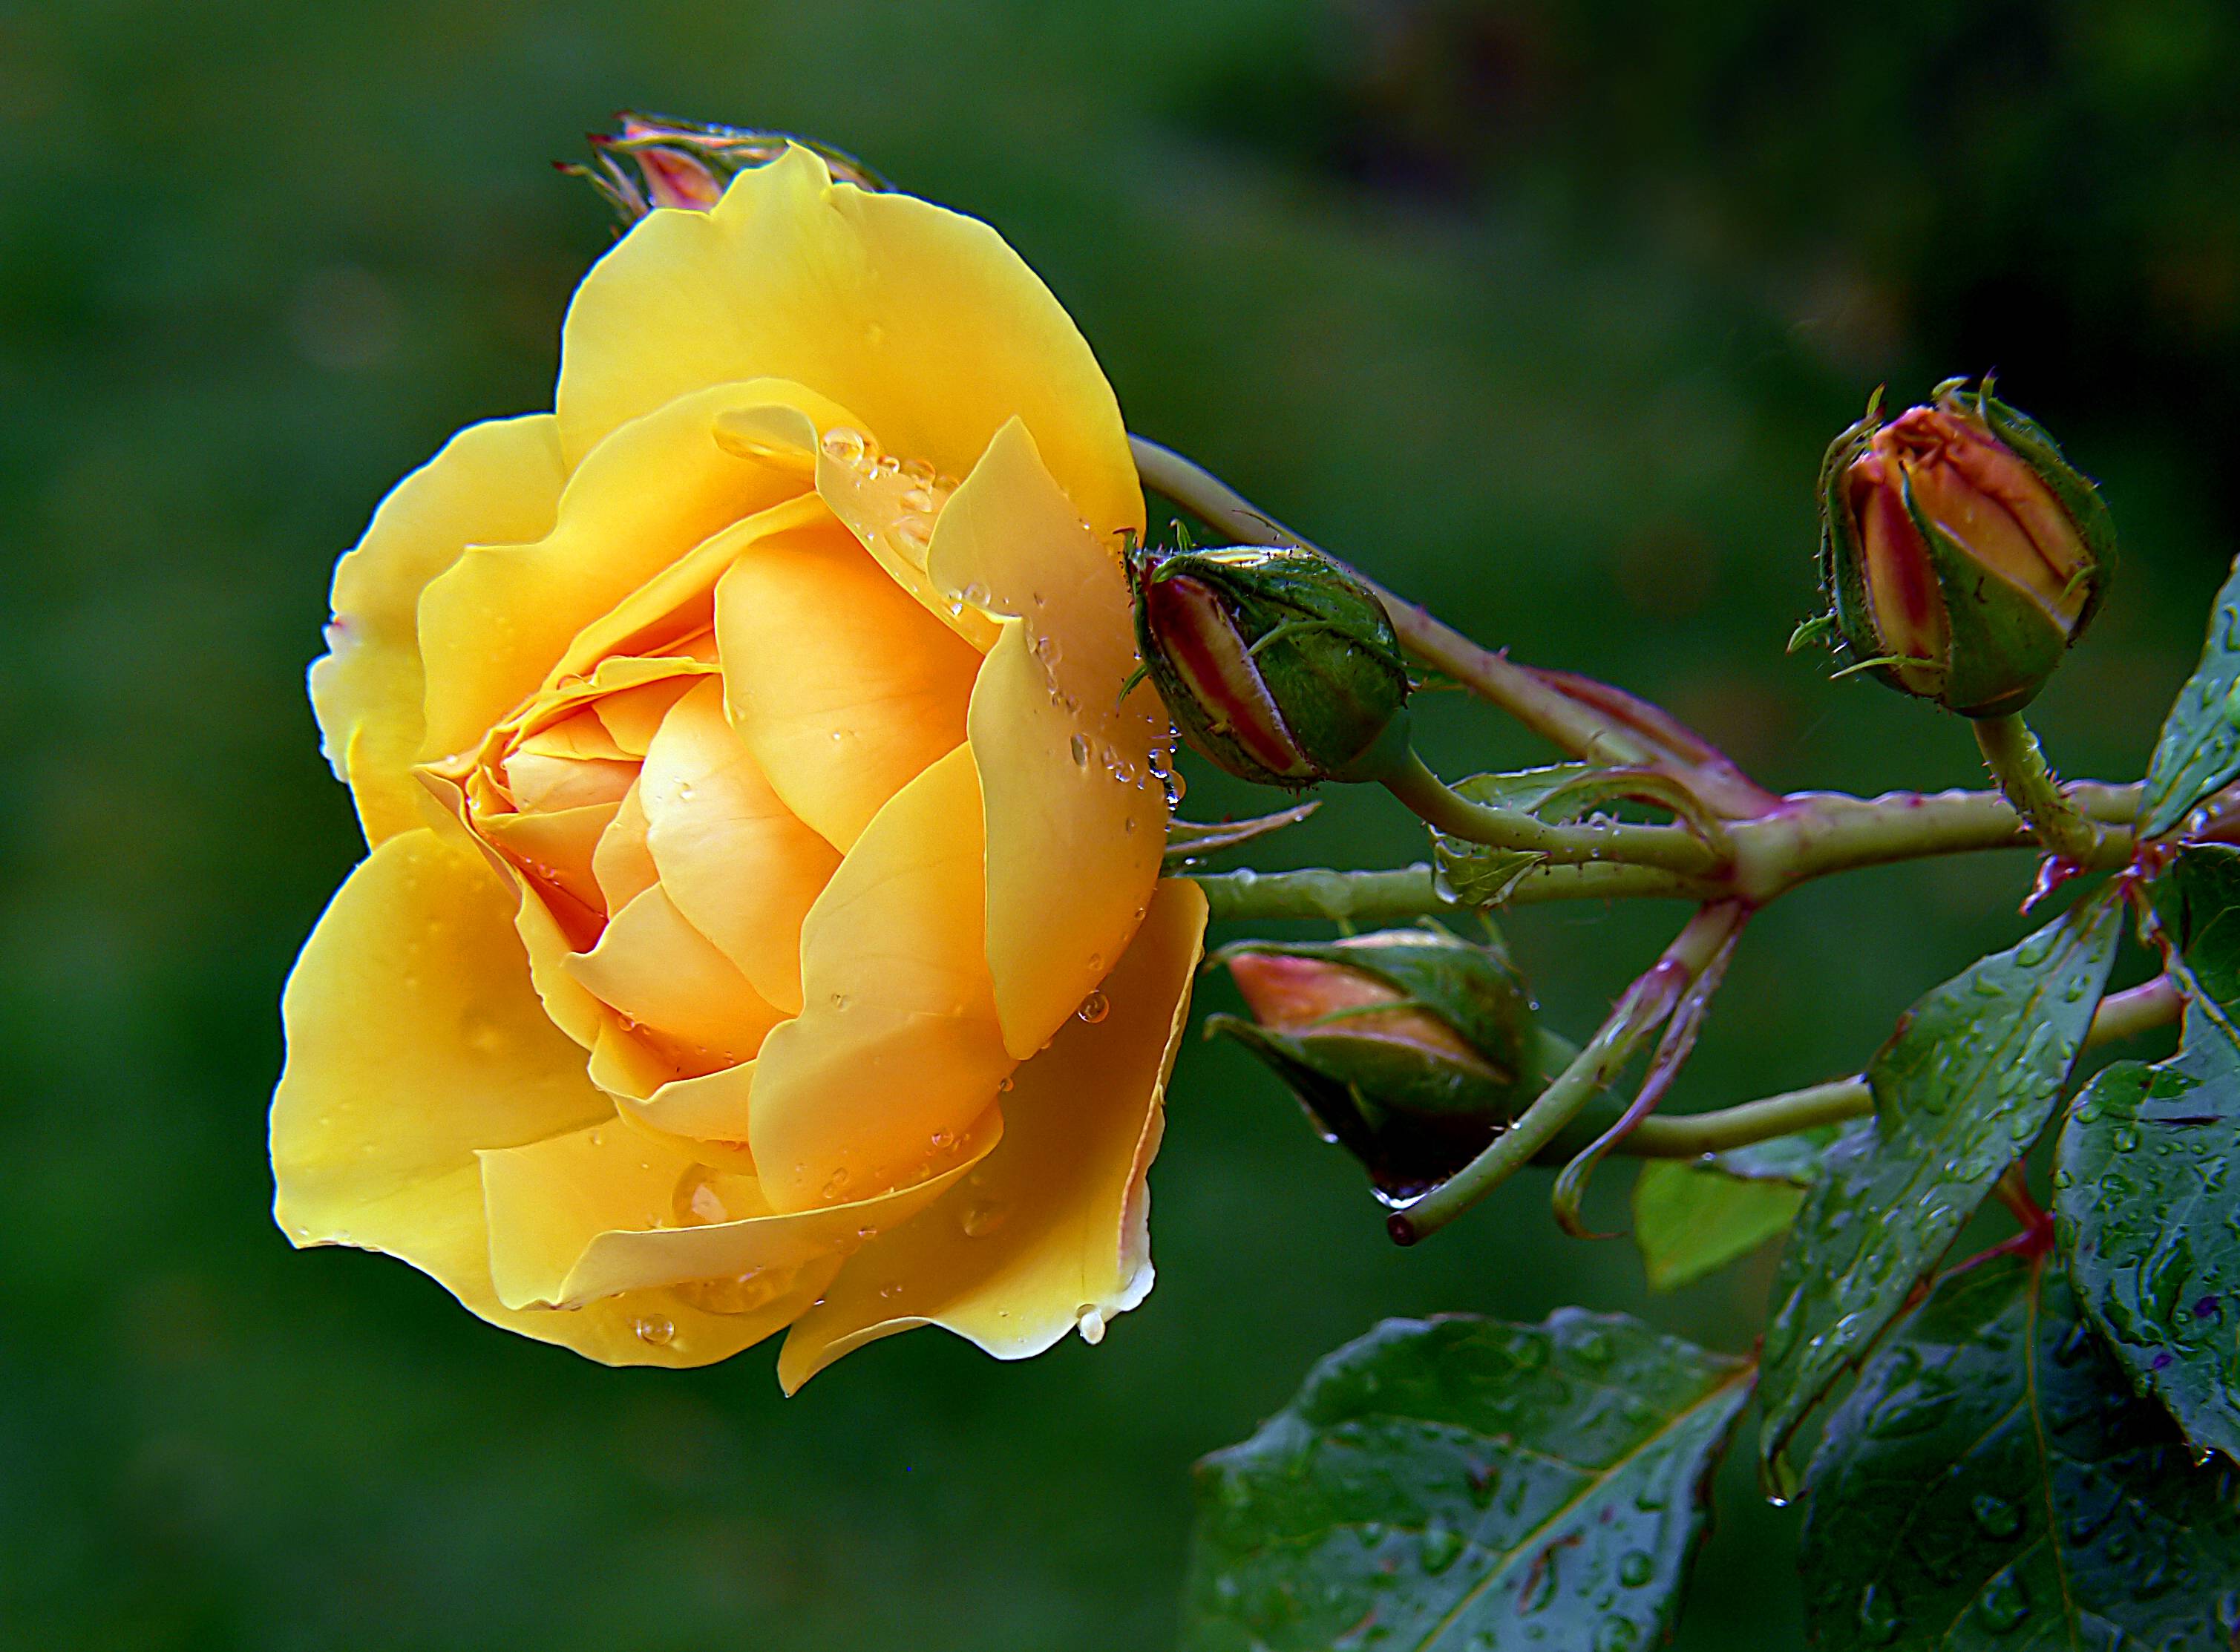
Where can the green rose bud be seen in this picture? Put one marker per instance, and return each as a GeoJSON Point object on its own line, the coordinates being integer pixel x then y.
{"type": "Point", "coordinates": [1275, 663]}
{"type": "Point", "coordinates": [1411, 1047]}
{"type": "Point", "coordinates": [1960, 553]}
{"type": "Point", "coordinates": [686, 164]}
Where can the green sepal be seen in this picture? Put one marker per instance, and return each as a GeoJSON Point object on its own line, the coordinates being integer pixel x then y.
{"type": "Point", "coordinates": [2001, 645]}
{"type": "Point", "coordinates": [1843, 560]}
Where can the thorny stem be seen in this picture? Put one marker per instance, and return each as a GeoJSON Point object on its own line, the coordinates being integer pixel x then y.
{"type": "Point", "coordinates": [1639, 1012]}
{"type": "Point", "coordinates": [1580, 729]}
{"type": "Point", "coordinates": [2121, 1015]}
{"type": "Point", "coordinates": [1808, 836]}
{"type": "Point", "coordinates": [2019, 766]}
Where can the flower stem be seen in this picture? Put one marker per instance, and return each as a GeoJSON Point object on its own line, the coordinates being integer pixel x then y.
{"type": "Point", "coordinates": [1687, 1136]}
{"type": "Point", "coordinates": [1582, 730]}
{"type": "Point", "coordinates": [2019, 764]}
{"type": "Point", "coordinates": [1639, 1012]}
{"type": "Point", "coordinates": [1412, 891]}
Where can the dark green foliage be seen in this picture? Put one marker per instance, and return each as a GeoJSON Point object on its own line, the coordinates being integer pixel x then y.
{"type": "Point", "coordinates": [2142, 1179]}
{"type": "Point", "coordinates": [1961, 1091]}
{"type": "Point", "coordinates": [1992, 1484]}
{"type": "Point", "coordinates": [1460, 1482]}
{"type": "Point", "coordinates": [2199, 750]}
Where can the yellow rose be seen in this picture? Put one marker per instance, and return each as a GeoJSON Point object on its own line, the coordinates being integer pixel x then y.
{"type": "Point", "coordinates": [762, 926]}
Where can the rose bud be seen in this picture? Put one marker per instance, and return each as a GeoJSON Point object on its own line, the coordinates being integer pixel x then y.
{"type": "Point", "coordinates": [687, 163]}
{"type": "Point", "coordinates": [1961, 554]}
{"type": "Point", "coordinates": [1411, 1047]}
{"type": "Point", "coordinates": [1275, 662]}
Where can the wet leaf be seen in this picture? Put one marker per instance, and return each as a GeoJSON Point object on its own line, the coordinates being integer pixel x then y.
{"type": "Point", "coordinates": [1693, 1216]}
{"type": "Point", "coordinates": [1992, 1485]}
{"type": "Point", "coordinates": [2143, 1185]}
{"type": "Point", "coordinates": [1961, 1091]}
{"type": "Point", "coordinates": [1690, 1219]}
{"type": "Point", "coordinates": [2199, 750]}
{"type": "Point", "coordinates": [1459, 1482]}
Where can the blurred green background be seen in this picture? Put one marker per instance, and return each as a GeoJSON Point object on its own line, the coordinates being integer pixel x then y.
{"type": "Point", "coordinates": [1542, 311]}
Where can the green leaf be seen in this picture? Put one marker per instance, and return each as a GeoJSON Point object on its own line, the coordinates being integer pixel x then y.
{"type": "Point", "coordinates": [1477, 874]}
{"type": "Point", "coordinates": [2142, 1179]}
{"type": "Point", "coordinates": [1991, 1485]}
{"type": "Point", "coordinates": [1690, 1219]}
{"type": "Point", "coordinates": [1961, 1091]}
{"type": "Point", "coordinates": [1459, 1482]}
{"type": "Point", "coordinates": [2199, 750]}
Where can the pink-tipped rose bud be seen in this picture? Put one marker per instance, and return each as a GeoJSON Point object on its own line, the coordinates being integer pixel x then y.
{"type": "Point", "coordinates": [1411, 1047]}
{"type": "Point", "coordinates": [1960, 553]}
{"type": "Point", "coordinates": [688, 164]}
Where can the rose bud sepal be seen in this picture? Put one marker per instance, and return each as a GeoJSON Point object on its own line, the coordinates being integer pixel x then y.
{"type": "Point", "coordinates": [1961, 554]}
{"type": "Point", "coordinates": [1411, 1048]}
{"type": "Point", "coordinates": [1275, 663]}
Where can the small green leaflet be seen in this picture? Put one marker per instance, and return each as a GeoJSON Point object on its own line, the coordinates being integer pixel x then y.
{"type": "Point", "coordinates": [1991, 1487]}
{"type": "Point", "coordinates": [1693, 1216]}
{"type": "Point", "coordinates": [2199, 750]}
{"type": "Point", "coordinates": [1476, 874]}
{"type": "Point", "coordinates": [1961, 1091]}
{"type": "Point", "coordinates": [1469, 1486]}
{"type": "Point", "coordinates": [2144, 1183]}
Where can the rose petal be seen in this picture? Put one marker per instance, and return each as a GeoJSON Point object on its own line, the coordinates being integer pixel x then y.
{"type": "Point", "coordinates": [920, 320]}
{"type": "Point", "coordinates": [1077, 820]}
{"type": "Point", "coordinates": [1056, 1221]}
{"type": "Point", "coordinates": [896, 1052]}
{"type": "Point", "coordinates": [496, 623]}
{"type": "Point", "coordinates": [738, 863]}
{"type": "Point", "coordinates": [499, 481]}
{"type": "Point", "coordinates": [842, 686]}
{"type": "Point", "coordinates": [413, 1040]}
{"type": "Point", "coordinates": [584, 1216]}
{"type": "Point", "coordinates": [655, 969]}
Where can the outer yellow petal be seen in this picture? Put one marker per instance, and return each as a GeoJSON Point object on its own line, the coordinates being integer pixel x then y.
{"type": "Point", "coordinates": [738, 863]}
{"type": "Point", "coordinates": [895, 1053]}
{"type": "Point", "coordinates": [1054, 1226]}
{"type": "Point", "coordinates": [842, 686]}
{"type": "Point", "coordinates": [414, 1040]}
{"type": "Point", "coordinates": [1076, 818]}
{"type": "Point", "coordinates": [921, 321]}
{"type": "Point", "coordinates": [586, 1216]}
{"type": "Point", "coordinates": [496, 623]}
{"type": "Point", "coordinates": [499, 481]}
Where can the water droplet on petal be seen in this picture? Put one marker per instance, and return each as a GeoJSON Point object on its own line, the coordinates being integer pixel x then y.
{"type": "Point", "coordinates": [653, 1331]}
{"type": "Point", "coordinates": [1091, 1323]}
{"type": "Point", "coordinates": [845, 445]}
{"type": "Point", "coordinates": [1094, 1008]}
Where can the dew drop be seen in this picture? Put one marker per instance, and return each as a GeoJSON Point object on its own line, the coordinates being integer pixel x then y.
{"type": "Point", "coordinates": [834, 1183]}
{"type": "Point", "coordinates": [891, 1291]}
{"type": "Point", "coordinates": [1636, 1567]}
{"type": "Point", "coordinates": [1091, 1323]}
{"type": "Point", "coordinates": [1878, 1619]}
{"type": "Point", "coordinates": [845, 444]}
{"type": "Point", "coordinates": [981, 1217]}
{"type": "Point", "coordinates": [653, 1329]}
{"type": "Point", "coordinates": [1442, 1544]}
{"type": "Point", "coordinates": [1094, 1008]}
{"type": "Point", "coordinates": [1080, 752]}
